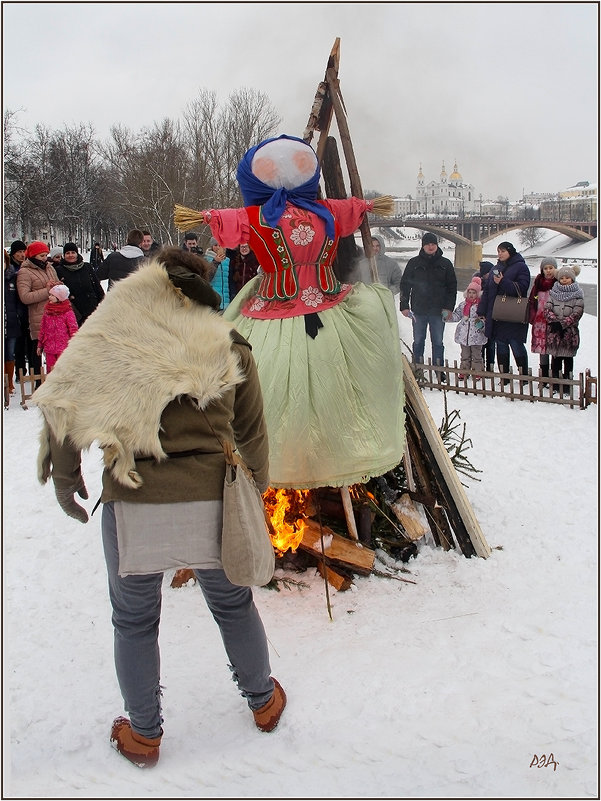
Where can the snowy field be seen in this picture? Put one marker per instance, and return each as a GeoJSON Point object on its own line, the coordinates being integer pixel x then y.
{"type": "Point", "coordinates": [453, 687]}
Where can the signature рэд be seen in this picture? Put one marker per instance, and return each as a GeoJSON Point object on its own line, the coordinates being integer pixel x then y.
{"type": "Point", "coordinates": [543, 761]}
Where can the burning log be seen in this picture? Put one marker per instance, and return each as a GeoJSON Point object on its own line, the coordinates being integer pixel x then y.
{"type": "Point", "coordinates": [339, 551]}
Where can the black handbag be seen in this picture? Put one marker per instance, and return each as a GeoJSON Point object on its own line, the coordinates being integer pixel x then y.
{"type": "Point", "coordinates": [511, 309]}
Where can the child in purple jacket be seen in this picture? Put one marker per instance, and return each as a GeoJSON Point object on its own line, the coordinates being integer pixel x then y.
{"type": "Point", "coordinates": [58, 325]}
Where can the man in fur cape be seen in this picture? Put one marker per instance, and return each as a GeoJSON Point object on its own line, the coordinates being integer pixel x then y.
{"type": "Point", "coordinates": [159, 380]}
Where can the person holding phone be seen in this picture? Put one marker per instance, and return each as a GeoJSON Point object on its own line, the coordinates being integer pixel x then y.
{"type": "Point", "coordinates": [511, 276]}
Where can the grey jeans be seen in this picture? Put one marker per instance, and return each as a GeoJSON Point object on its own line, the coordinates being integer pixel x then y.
{"type": "Point", "coordinates": [136, 602]}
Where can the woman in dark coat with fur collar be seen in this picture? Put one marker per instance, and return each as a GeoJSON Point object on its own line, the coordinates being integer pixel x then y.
{"type": "Point", "coordinates": [84, 287]}
{"type": "Point", "coordinates": [511, 276]}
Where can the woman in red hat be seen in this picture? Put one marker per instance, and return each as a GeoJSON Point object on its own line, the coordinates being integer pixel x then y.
{"type": "Point", "coordinates": [35, 279]}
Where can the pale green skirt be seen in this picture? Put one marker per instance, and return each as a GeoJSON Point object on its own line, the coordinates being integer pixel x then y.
{"type": "Point", "coordinates": [333, 404]}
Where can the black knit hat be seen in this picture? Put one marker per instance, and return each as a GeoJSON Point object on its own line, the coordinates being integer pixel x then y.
{"type": "Point", "coordinates": [485, 268]}
{"type": "Point", "coordinates": [70, 246]}
{"type": "Point", "coordinates": [508, 247]}
{"type": "Point", "coordinates": [429, 239]}
{"type": "Point", "coordinates": [16, 246]}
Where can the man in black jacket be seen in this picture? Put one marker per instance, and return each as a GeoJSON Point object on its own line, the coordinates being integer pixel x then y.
{"type": "Point", "coordinates": [120, 263]}
{"type": "Point", "coordinates": [428, 296]}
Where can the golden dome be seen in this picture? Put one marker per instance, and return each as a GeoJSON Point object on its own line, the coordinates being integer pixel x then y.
{"type": "Point", "coordinates": [455, 176]}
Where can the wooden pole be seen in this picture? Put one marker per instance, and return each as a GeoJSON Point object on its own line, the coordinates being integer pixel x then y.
{"type": "Point", "coordinates": [348, 512]}
{"type": "Point", "coordinates": [351, 163]}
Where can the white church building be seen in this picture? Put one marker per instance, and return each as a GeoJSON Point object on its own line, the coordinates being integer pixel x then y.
{"type": "Point", "coordinates": [449, 195]}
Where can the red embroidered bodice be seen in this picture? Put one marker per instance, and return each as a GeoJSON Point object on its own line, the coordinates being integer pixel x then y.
{"type": "Point", "coordinates": [296, 256]}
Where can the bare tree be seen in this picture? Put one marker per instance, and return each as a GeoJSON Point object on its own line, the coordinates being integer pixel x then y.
{"type": "Point", "coordinates": [18, 178]}
{"type": "Point", "coordinates": [74, 176]}
{"type": "Point", "coordinates": [219, 137]}
{"type": "Point", "coordinates": [530, 236]}
{"type": "Point", "coordinates": [100, 190]}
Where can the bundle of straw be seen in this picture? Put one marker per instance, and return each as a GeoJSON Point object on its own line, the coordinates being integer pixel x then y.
{"type": "Point", "coordinates": [384, 206]}
{"type": "Point", "coordinates": [186, 219]}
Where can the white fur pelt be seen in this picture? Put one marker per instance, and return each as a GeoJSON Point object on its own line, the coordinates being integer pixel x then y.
{"type": "Point", "coordinates": [145, 344]}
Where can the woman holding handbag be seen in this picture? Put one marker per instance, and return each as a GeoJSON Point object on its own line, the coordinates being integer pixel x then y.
{"type": "Point", "coordinates": [511, 278]}
{"type": "Point", "coordinates": [162, 396]}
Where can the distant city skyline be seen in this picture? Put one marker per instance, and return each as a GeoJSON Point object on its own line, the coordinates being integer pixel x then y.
{"type": "Point", "coordinates": [460, 182]}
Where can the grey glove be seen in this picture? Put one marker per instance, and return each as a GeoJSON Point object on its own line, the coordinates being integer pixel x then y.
{"type": "Point", "coordinates": [66, 498]}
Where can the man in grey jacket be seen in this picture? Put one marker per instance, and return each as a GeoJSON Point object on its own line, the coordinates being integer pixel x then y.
{"type": "Point", "coordinates": [389, 270]}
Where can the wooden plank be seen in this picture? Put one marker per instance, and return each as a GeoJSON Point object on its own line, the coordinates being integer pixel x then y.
{"type": "Point", "coordinates": [441, 531]}
{"type": "Point", "coordinates": [337, 580]}
{"type": "Point", "coordinates": [413, 395]}
{"type": "Point", "coordinates": [452, 523]}
{"type": "Point", "coordinates": [338, 550]}
{"type": "Point", "coordinates": [411, 517]}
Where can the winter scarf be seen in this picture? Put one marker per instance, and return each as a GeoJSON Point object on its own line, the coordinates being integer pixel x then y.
{"type": "Point", "coordinates": [73, 267]}
{"type": "Point", "coordinates": [146, 344]}
{"type": "Point", "coordinates": [273, 201]}
{"type": "Point", "coordinates": [563, 293]}
{"type": "Point", "coordinates": [57, 309]}
{"type": "Point", "coordinates": [542, 284]}
{"type": "Point", "coordinates": [468, 305]}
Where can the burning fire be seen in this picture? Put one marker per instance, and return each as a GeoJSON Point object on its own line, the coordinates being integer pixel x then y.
{"type": "Point", "coordinates": [287, 510]}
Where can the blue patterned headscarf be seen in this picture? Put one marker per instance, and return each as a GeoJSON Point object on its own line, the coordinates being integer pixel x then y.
{"type": "Point", "coordinates": [273, 201]}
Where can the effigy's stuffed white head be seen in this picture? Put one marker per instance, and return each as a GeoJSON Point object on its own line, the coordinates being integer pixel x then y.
{"type": "Point", "coordinates": [284, 164]}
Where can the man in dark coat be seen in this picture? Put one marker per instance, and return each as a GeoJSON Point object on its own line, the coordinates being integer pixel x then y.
{"type": "Point", "coordinates": [428, 296]}
{"type": "Point", "coordinates": [120, 263]}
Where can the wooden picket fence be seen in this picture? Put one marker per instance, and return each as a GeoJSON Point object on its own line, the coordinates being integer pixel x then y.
{"type": "Point", "coordinates": [576, 392]}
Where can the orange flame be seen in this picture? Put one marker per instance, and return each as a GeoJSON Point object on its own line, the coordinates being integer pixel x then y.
{"type": "Point", "coordinates": [287, 510]}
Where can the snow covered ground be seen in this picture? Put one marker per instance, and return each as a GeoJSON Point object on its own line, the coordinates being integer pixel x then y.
{"type": "Point", "coordinates": [461, 685]}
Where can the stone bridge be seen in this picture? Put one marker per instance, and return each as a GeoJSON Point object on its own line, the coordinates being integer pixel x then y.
{"type": "Point", "coordinates": [468, 234]}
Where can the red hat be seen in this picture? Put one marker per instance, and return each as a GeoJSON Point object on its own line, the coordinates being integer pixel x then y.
{"type": "Point", "coordinates": [35, 248]}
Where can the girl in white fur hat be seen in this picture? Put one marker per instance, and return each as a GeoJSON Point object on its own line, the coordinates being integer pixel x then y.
{"type": "Point", "coordinates": [470, 329]}
{"type": "Point", "coordinates": [563, 311]}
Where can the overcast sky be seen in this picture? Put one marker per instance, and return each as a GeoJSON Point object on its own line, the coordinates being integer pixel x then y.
{"type": "Point", "coordinates": [509, 90]}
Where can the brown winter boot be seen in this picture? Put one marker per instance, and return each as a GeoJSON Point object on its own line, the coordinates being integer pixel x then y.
{"type": "Point", "coordinates": [142, 751]}
{"type": "Point", "coordinates": [267, 716]}
{"type": "Point", "coordinates": [9, 369]}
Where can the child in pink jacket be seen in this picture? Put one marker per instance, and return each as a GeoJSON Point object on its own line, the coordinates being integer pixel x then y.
{"type": "Point", "coordinates": [58, 325]}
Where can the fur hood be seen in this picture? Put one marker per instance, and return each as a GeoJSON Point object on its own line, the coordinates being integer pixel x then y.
{"type": "Point", "coordinates": [146, 344]}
